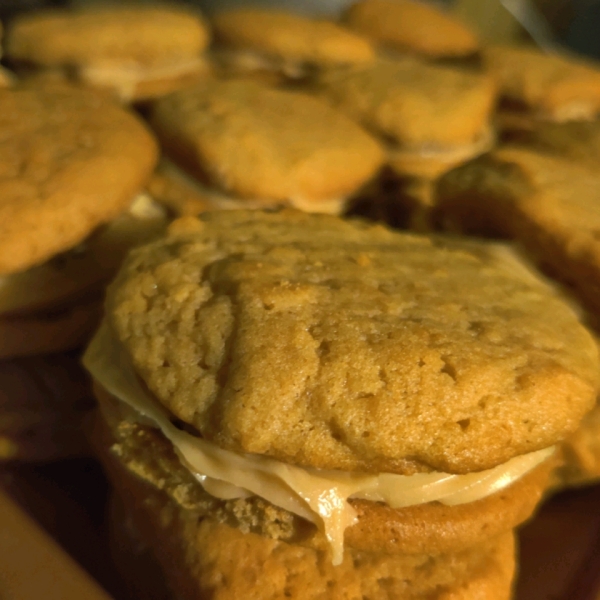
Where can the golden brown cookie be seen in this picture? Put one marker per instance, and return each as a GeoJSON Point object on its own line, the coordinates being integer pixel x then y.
{"type": "Point", "coordinates": [575, 141]}
{"type": "Point", "coordinates": [549, 205]}
{"type": "Point", "coordinates": [431, 117]}
{"type": "Point", "coordinates": [550, 85]}
{"type": "Point", "coordinates": [85, 268]}
{"type": "Point", "coordinates": [266, 146]}
{"type": "Point", "coordinates": [284, 41]}
{"type": "Point", "coordinates": [137, 51]}
{"type": "Point", "coordinates": [73, 162]}
{"type": "Point", "coordinates": [353, 396]}
{"type": "Point", "coordinates": [301, 283]}
{"type": "Point", "coordinates": [411, 26]}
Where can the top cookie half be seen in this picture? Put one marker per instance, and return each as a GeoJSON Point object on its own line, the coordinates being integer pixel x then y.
{"type": "Point", "coordinates": [138, 35]}
{"type": "Point", "coordinates": [70, 160]}
{"type": "Point", "coordinates": [339, 345]}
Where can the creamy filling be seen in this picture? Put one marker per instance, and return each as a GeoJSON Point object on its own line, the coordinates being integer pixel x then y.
{"type": "Point", "coordinates": [320, 496]}
{"type": "Point", "coordinates": [221, 201]}
{"type": "Point", "coordinates": [51, 282]}
{"type": "Point", "coordinates": [126, 78]}
{"type": "Point", "coordinates": [442, 155]}
{"type": "Point", "coordinates": [248, 61]}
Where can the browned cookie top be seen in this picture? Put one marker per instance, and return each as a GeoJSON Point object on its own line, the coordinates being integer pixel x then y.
{"type": "Point", "coordinates": [138, 35]}
{"type": "Point", "coordinates": [69, 160]}
{"type": "Point", "coordinates": [291, 37]}
{"type": "Point", "coordinates": [412, 26]}
{"type": "Point", "coordinates": [556, 86]}
{"type": "Point", "coordinates": [340, 345]}
{"type": "Point", "coordinates": [261, 143]}
{"type": "Point", "coordinates": [412, 104]}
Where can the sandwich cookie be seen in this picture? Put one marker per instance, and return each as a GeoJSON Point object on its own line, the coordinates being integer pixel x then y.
{"type": "Point", "coordinates": [547, 86]}
{"type": "Point", "coordinates": [241, 144]}
{"type": "Point", "coordinates": [255, 39]}
{"type": "Point", "coordinates": [408, 26]}
{"type": "Point", "coordinates": [137, 52]}
{"type": "Point", "coordinates": [430, 118]}
{"type": "Point", "coordinates": [73, 165]}
{"type": "Point", "coordinates": [421, 387]}
{"type": "Point", "coordinates": [577, 142]}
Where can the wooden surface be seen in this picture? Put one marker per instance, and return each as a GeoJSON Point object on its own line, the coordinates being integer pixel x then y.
{"type": "Point", "coordinates": [34, 566]}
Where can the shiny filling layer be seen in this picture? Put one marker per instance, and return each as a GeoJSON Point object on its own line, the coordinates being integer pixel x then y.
{"type": "Point", "coordinates": [319, 496]}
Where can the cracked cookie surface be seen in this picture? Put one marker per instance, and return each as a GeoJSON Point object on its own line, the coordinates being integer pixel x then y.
{"type": "Point", "coordinates": [339, 345]}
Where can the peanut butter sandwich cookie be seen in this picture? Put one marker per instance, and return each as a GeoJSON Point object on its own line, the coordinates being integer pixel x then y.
{"type": "Point", "coordinates": [138, 52]}
{"type": "Point", "coordinates": [429, 117]}
{"type": "Point", "coordinates": [240, 144]}
{"type": "Point", "coordinates": [412, 27]}
{"type": "Point", "coordinates": [73, 165]}
{"type": "Point", "coordinates": [255, 39]}
{"type": "Point", "coordinates": [548, 86]}
{"type": "Point", "coordinates": [312, 407]}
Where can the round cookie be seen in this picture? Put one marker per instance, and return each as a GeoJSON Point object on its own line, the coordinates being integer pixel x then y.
{"type": "Point", "coordinates": [71, 161]}
{"type": "Point", "coordinates": [137, 51]}
{"type": "Point", "coordinates": [551, 86]}
{"type": "Point", "coordinates": [431, 117]}
{"type": "Point", "coordinates": [279, 40]}
{"type": "Point", "coordinates": [73, 164]}
{"type": "Point", "coordinates": [410, 26]}
{"type": "Point", "coordinates": [332, 388]}
{"type": "Point", "coordinates": [266, 146]}
{"type": "Point", "coordinates": [330, 295]}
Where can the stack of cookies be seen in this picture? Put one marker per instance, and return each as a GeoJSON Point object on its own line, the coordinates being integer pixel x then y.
{"type": "Point", "coordinates": [294, 402]}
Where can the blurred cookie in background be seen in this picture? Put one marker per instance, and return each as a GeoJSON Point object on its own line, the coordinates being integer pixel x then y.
{"type": "Point", "coordinates": [575, 141]}
{"type": "Point", "coordinates": [544, 85]}
{"type": "Point", "coordinates": [251, 39]}
{"type": "Point", "coordinates": [428, 117]}
{"type": "Point", "coordinates": [137, 51]}
{"type": "Point", "coordinates": [241, 144]}
{"type": "Point", "coordinates": [73, 166]}
{"type": "Point", "coordinates": [409, 26]}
